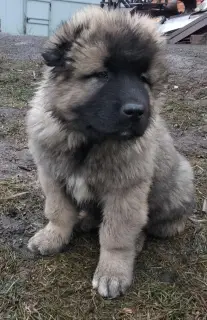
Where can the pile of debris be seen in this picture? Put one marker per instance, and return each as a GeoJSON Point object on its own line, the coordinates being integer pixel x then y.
{"type": "Point", "coordinates": [182, 21]}
{"type": "Point", "coordinates": [189, 26]}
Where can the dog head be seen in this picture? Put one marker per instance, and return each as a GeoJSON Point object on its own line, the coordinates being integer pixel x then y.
{"type": "Point", "coordinates": [104, 71]}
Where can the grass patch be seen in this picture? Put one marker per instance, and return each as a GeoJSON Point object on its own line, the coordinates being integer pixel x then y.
{"type": "Point", "coordinates": [18, 196]}
{"type": "Point", "coordinates": [200, 172]}
{"type": "Point", "coordinates": [183, 115]}
{"type": "Point", "coordinates": [13, 129]}
{"type": "Point", "coordinates": [170, 283]}
{"type": "Point", "coordinates": [170, 276]}
{"type": "Point", "coordinates": [17, 82]}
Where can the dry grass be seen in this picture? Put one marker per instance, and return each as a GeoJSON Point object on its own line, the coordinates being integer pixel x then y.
{"type": "Point", "coordinates": [20, 195]}
{"type": "Point", "coordinates": [170, 277]}
{"type": "Point", "coordinates": [185, 114]}
{"type": "Point", "coordinates": [17, 81]}
{"type": "Point", "coordinates": [170, 283]}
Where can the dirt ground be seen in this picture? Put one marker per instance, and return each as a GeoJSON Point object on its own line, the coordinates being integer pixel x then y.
{"type": "Point", "coordinates": [170, 276]}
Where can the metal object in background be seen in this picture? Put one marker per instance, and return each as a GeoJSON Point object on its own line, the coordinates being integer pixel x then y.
{"type": "Point", "coordinates": [154, 8]}
{"type": "Point", "coordinates": [43, 16]}
{"type": "Point", "coordinates": [177, 26]}
{"type": "Point", "coordinates": [193, 24]}
{"type": "Point", "coordinates": [38, 17]}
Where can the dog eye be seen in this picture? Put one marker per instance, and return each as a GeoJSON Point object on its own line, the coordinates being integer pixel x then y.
{"type": "Point", "coordinates": [102, 75]}
{"type": "Point", "coordinates": [145, 79]}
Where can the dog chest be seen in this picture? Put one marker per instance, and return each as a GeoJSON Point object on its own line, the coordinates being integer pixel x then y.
{"type": "Point", "coordinates": [78, 189]}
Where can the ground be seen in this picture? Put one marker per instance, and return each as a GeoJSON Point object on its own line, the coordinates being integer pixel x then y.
{"type": "Point", "coordinates": [170, 276]}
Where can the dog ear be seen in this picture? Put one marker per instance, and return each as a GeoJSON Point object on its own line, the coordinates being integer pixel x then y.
{"type": "Point", "coordinates": [61, 42]}
{"type": "Point", "coordinates": [54, 55]}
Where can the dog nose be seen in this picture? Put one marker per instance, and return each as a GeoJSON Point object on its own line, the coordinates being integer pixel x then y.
{"type": "Point", "coordinates": [132, 110]}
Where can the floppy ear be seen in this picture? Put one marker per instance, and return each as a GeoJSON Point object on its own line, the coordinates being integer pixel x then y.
{"type": "Point", "coordinates": [60, 43]}
{"type": "Point", "coordinates": [54, 56]}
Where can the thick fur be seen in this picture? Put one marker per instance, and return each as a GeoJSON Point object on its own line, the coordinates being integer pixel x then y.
{"type": "Point", "coordinates": [91, 158]}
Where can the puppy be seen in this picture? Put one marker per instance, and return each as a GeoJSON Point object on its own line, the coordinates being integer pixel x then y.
{"type": "Point", "coordinates": [100, 145]}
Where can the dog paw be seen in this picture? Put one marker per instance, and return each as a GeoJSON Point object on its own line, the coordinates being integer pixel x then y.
{"type": "Point", "coordinates": [111, 284]}
{"type": "Point", "coordinates": [49, 240]}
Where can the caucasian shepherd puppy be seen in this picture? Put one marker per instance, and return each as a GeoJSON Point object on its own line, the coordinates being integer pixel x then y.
{"type": "Point", "coordinates": [100, 145]}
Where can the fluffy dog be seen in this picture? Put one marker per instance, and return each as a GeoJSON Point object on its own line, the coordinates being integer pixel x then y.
{"type": "Point", "coordinates": [100, 144]}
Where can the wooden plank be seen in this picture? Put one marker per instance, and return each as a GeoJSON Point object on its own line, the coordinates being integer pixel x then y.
{"type": "Point", "coordinates": [198, 38]}
{"type": "Point", "coordinates": [182, 33]}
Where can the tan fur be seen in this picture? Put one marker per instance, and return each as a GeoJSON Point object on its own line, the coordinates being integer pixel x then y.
{"type": "Point", "coordinates": [143, 184]}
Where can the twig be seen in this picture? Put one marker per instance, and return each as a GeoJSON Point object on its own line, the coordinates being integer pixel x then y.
{"type": "Point", "coordinates": [20, 194]}
{"type": "Point", "coordinates": [34, 75]}
{"type": "Point", "coordinates": [24, 168]}
{"type": "Point", "coordinates": [204, 208]}
{"type": "Point", "coordinates": [13, 283]}
{"type": "Point", "coordinates": [197, 220]}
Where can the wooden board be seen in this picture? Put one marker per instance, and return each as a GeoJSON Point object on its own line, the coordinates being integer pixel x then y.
{"type": "Point", "coordinates": [186, 31]}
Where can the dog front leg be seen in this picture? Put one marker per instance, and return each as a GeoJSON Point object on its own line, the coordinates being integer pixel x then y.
{"type": "Point", "coordinates": [62, 218]}
{"type": "Point", "coordinates": [124, 217]}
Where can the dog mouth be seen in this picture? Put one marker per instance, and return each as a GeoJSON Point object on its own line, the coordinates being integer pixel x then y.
{"type": "Point", "coordinates": [123, 134]}
{"type": "Point", "coordinates": [126, 134]}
